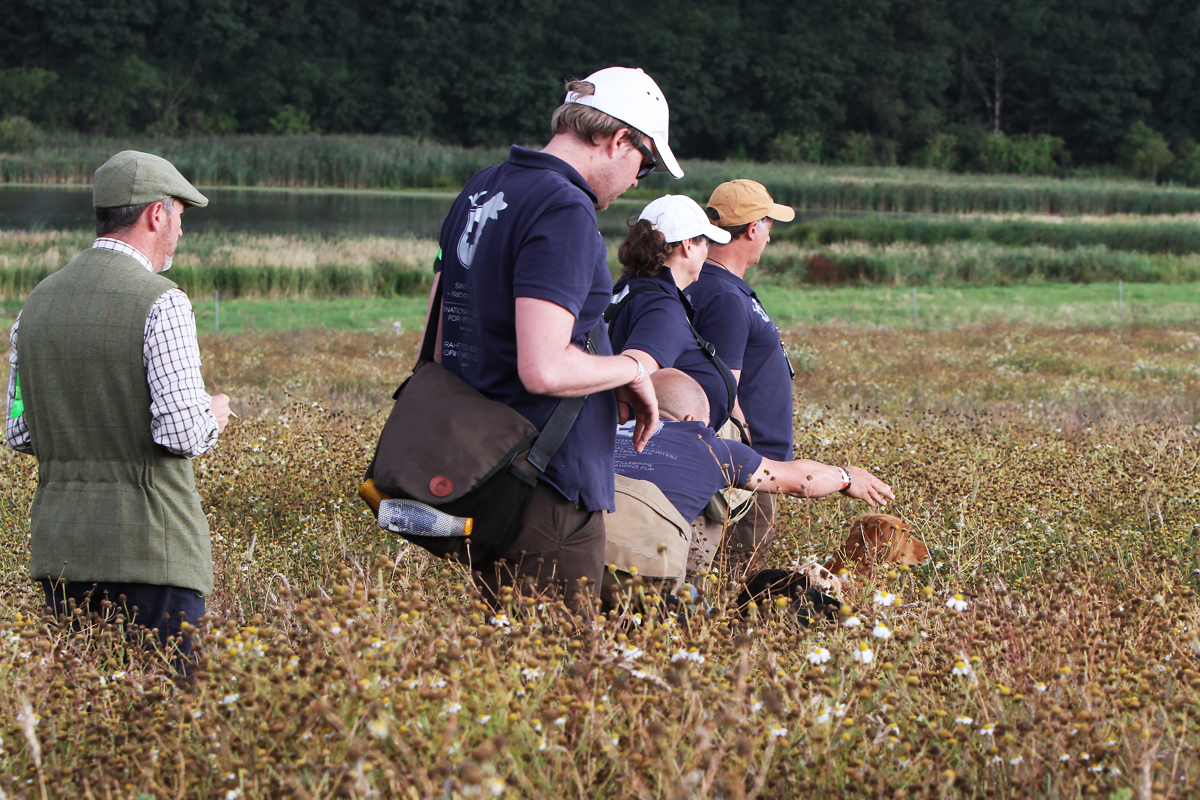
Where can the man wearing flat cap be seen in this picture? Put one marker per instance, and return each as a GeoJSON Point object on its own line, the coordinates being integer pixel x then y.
{"type": "Point", "coordinates": [105, 389]}
{"type": "Point", "coordinates": [730, 317]}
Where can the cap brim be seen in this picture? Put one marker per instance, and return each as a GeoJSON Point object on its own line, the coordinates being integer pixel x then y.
{"type": "Point", "coordinates": [717, 235]}
{"type": "Point", "coordinates": [668, 159]}
{"type": "Point", "coordinates": [781, 213]}
{"type": "Point", "coordinates": [193, 201]}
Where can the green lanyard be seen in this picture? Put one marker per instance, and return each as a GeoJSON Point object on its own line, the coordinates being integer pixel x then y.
{"type": "Point", "coordinates": [18, 406]}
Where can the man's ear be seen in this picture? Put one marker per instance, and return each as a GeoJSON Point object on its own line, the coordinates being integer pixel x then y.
{"type": "Point", "coordinates": [690, 418]}
{"type": "Point", "coordinates": [758, 230]}
{"type": "Point", "coordinates": [613, 146]}
{"type": "Point", "coordinates": [157, 215]}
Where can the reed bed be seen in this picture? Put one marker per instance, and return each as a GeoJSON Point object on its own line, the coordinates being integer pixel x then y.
{"type": "Point", "coordinates": [245, 265]}
{"type": "Point", "coordinates": [333, 161]}
{"type": "Point", "coordinates": [1150, 235]}
{"type": "Point", "coordinates": [912, 190]}
{"type": "Point", "coordinates": [963, 263]}
{"type": "Point", "coordinates": [1053, 474]}
{"type": "Point", "coordinates": [388, 162]}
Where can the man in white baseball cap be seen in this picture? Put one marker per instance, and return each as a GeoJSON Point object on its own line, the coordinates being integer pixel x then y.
{"type": "Point", "coordinates": [633, 97]}
{"type": "Point", "coordinates": [526, 230]}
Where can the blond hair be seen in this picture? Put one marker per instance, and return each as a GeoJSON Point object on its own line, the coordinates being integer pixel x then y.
{"type": "Point", "coordinates": [589, 124]}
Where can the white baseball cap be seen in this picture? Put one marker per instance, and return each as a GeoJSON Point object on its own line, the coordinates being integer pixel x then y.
{"type": "Point", "coordinates": [633, 97]}
{"type": "Point", "coordinates": [678, 217]}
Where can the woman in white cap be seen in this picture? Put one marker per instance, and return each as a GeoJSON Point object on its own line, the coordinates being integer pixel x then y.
{"type": "Point", "coordinates": [649, 318]}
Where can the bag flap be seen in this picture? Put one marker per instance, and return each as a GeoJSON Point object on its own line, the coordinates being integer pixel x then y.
{"type": "Point", "coordinates": [645, 520]}
{"type": "Point", "coordinates": [443, 438]}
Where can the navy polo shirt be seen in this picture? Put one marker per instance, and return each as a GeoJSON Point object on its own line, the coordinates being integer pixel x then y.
{"type": "Point", "coordinates": [687, 462]}
{"type": "Point", "coordinates": [657, 323]}
{"type": "Point", "coordinates": [730, 317]}
{"type": "Point", "coordinates": [527, 228]}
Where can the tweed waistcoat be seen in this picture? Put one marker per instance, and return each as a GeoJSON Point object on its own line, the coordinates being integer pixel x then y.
{"type": "Point", "coordinates": [111, 504]}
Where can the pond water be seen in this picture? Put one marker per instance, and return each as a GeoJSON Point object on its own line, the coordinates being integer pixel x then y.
{"type": "Point", "coordinates": [271, 211]}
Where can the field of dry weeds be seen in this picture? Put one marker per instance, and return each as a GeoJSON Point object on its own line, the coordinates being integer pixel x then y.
{"type": "Point", "coordinates": [1048, 649]}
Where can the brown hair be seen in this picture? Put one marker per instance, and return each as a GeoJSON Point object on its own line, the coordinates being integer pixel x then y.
{"type": "Point", "coordinates": [589, 124]}
{"type": "Point", "coordinates": [643, 251]}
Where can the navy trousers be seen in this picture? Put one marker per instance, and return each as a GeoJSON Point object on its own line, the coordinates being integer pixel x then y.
{"type": "Point", "coordinates": [160, 608]}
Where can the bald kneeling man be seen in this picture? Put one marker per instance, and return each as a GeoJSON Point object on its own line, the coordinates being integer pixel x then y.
{"type": "Point", "coordinates": [687, 461]}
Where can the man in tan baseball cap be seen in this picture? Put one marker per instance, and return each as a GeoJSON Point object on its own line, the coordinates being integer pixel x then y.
{"type": "Point", "coordinates": [730, 317]}
{"type": "Point", "coordinates": [104, 390]}
{"type": "Point", "coordinates": [744, 201]}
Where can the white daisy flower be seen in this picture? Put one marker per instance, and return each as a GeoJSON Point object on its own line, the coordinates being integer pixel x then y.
{"type": "Point", "coordinates": [957, 603]}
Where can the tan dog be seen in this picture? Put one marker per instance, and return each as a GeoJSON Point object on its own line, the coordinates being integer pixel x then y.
{"type": "Point", "coordinates": [878, 539]}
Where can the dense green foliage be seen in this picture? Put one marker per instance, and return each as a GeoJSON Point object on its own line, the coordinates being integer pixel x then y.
{"type": "Point", "coordinates": [878, 81]}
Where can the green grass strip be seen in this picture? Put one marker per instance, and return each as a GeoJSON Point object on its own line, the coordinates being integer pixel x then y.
{"type": "Point", "coordinates": [1053, 305]}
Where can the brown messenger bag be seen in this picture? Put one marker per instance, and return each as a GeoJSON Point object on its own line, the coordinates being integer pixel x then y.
{"type": "Point", "coordinates": [450, 449]}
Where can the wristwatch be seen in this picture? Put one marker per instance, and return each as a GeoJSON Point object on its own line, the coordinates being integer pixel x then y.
{"type": "Point", "coordinates": [846, 479]}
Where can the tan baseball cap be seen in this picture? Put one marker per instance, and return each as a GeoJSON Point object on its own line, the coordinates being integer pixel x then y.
{"type": "Point", "coordinates": [131, 178]}
{"type": "Point", "coordinates": [744, 201]}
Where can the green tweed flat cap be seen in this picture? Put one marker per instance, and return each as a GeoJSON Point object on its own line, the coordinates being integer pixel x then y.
{"type": "Point", "coordinates": [131, 178]}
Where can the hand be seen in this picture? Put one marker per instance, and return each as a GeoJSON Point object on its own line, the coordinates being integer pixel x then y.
{"type": "Point", "coordinates": [641, 397]}
{"type": "Point", "coordinates": [220, 410]}
{"type": "Point", "coordinates": [865, 486]}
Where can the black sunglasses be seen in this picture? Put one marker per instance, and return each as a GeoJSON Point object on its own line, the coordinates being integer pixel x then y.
{"type": "Point", "coordinates": [646, 168]}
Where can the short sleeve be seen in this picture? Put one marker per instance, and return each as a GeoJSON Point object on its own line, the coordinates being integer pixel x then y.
{"type": "Point", "coordinates": [657, 325]}
{"type": "Point", "coordinates": [739, 461]}
{"type": "Point", "coordinates": [557, 259]}
{"type": "Point", "coordinates": [723, 322]}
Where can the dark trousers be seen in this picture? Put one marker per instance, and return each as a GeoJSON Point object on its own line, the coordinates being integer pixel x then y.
{"type": "Point", "coordinates": [160, 609]}
{"type": "Point", "coordinates": [558, 544]}
{"type": "Point", "coordinates": [744, 548]}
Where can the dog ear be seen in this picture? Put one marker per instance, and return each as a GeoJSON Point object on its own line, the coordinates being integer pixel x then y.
{"type": "Point", "coordinates": [914, 554]}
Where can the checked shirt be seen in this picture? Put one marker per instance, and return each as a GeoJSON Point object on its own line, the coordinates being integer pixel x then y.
{"type": "Point", "coordinates": [181, 418]}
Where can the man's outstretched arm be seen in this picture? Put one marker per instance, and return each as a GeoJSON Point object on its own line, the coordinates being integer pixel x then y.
{"type": "Point", "coordinates": [807, 478]}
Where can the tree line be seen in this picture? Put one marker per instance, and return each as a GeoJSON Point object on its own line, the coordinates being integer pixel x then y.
{"type": "Point", "coordinates": [1018, 86]}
